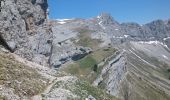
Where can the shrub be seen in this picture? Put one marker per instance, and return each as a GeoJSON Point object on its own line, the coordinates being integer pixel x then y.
{"type": "Point", "coordinates": [95, 68]}
{"type": "Point", "coordinates": [168, 70]}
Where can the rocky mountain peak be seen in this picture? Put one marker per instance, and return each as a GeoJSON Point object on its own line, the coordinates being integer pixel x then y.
{"type": "Point", "coordinates": [156, 23]}
{"type": "Point", "coordinates": [107, 19]}
{"type": "Point", "coordinates": [105, 16]}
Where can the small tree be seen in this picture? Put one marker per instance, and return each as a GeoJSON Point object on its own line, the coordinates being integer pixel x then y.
{"type": "Point", "coordinates": [168, 70]}
{"type": "Point", "coordinates": [95, 68]}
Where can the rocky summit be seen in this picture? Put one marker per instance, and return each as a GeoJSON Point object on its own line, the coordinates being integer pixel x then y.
{"type": "Point", "coordinates": [80, 59]}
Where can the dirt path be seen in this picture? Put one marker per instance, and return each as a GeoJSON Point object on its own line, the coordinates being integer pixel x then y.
{"type": "Point", "coordinates": [39, 97]}
{"type": "Point", "coordinates": [49, 87]}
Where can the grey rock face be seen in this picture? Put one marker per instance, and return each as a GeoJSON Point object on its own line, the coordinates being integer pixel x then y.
{"type": "Point", "coordinates": [90, 97]}
{"type": "Point", "coordinates": [134, 30]}
{"type": "Point", "coordinates": [11, 23]}
{"type": "Point", "coordinates": [158, 29]}
{"type": "Point", "coordinates": [19, 16]}
{"type": "Point", "coordinates": [21, 27]}
{"type": "Point", "coordinates": [12, 45]}
{"type": "Point", "coordinates": [115, 71]}
{"type": "Point", "coordinates": [107, 19]}
{"type": "Point", "coordinates": [108, 24]}
{"type": "Point", "coordinates": [66, 51]}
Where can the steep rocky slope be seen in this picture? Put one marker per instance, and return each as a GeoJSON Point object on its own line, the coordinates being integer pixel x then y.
{"type": "Point", "coordinates": [148, 76]}
{"type": "Point", "coordinates": [22, 79]}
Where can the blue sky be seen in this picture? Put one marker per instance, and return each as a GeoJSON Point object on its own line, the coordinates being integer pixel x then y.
{"type": "Point", "coordinates": [140, 11]}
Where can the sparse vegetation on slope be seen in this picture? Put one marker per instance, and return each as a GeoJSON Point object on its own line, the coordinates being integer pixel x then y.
{"type": "Point", "coordinates": [94, 91]}
{"type": "Point", "coordinates": [24, 80]}
{"type": "Point", "coordinates": [77, 89]}
{"type": "Point", "coordinates": [2, 98]}
{"type": "Point", "coordinates": [86, 40]}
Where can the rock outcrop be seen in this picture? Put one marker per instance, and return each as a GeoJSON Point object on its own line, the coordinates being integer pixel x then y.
{"type": "Point", "coordinates": [19, 16]}
{"type": "Point", "coordinates": [67, 51]}
{"type": "Point", "coordinates": [112, 73]}
{"type": "Point", "coordinates": [22, 28]}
